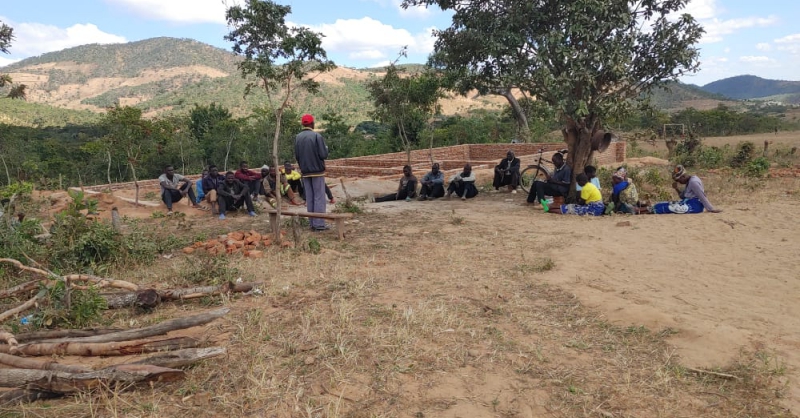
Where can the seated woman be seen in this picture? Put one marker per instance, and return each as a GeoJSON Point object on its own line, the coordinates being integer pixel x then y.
{"type": "Point", "coordinates": [693, 197]}
{"type": "Point", "coordinates": [624, 196]}
{"type": "Point", "coordinates": [590, 201]}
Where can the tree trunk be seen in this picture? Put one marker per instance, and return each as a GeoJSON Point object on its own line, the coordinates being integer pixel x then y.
{"type": "Point", "coordinates": [228, 148]}
{"type": "Point", "coordinates": [22, 308]}
{"type": "Point", "coordinates": [64, 333]}
{"type": "Point", "coordinates": [8, 175]}
{"type": "Point", "coordinates": [182, 358]}
{"type": "Point", "coordinates": [20, 288]}
{"type": "Point", "coordinates": [60, 382]}
{"type": "Point", "coordinates": [519, 115]}
{"type": "Point", "coordinates": [19, 396]}
{"type": "Point", "coordinates": [152, 330]}
{"type": "Point", "coordinates": [115, 348]}
{"type": "Point", "coordinates": [31, 364]}
{"type": "Point", "coordinates": [579, 144]}
{"type": "Point", "coordinates": [150, 298]}
{"type": "Point", "coordinates": [108, 169]}
{"type": "Point", "coordinates": [406, 143]}
{"type": "Point", "coordinates": [275, 160]}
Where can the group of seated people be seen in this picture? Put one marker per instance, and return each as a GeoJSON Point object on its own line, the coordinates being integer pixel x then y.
{"type": "Point", "coordinates": [624, 196]}
{"type": "Point", "coordinates": [234, 190]}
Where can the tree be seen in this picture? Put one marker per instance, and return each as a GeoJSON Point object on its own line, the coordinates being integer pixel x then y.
{"type": "Point", "coordinates": [400, 101]}
{"type": "Point", "coordinates": [587, 59]}
{"type": "Point", "coordinates": [15, 91]}
{"type": "Point", "coordinates": [280, 57]}
{"type": "Point", "coordinates": [129, 132]}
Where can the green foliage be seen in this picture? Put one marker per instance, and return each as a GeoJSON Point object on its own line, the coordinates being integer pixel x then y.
{"type": "Point", "coordinates": [757, 167]}
{"type": "Point", "coordinates": [744, 153]}
{"type": "Point", "coordinates": [349, 206]}
{"type": "Point", "coordinates": [85, 308]}
{"type": "Point", "coordinates": [314, 246]}
{"type": "Point", "coordinates": [209, 271]}
{"type": "Point", "coordinates": [711, 157]}
{"type": "Point", "coordinates": [22, 188]}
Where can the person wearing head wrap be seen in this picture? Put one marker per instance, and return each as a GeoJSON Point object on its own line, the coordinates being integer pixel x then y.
{"type": "Point", "coordinates": [693, 196]}
{"type": "Point", "coordinates": [624, 196]}
{"type": "Point", "coordinates": [507, 173]}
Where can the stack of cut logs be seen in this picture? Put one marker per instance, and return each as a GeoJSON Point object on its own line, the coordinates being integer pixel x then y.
{"type": "Point", "coordinates": [29, 379]}
{"type": "Point", "coordinates": [246, 243]}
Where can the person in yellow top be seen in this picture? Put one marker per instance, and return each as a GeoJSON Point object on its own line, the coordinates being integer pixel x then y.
{"type": "Point", "coordinates": [590, 202]}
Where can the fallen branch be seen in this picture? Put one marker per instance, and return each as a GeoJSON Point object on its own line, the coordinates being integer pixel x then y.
{"type": "Point", "coordinates": [19, 396]}
{"type": "Point", "coordinates": [62, 383]}
{"type": "Point", "coordinates": [98, 281]}
{"type": "Point", "coordinates": [20, 288]}
{"type": "Point", "coordinates": [64, 333]}
{"type": "Point", "coordinates": [8, 338]}
{"type": "Point", "coordinates": [150, 298]}
{"type": "Point", "coordinates": [24, 307]}
{"type": "Point", "coordinates": [182, 358]}
{"type": "Point", "coordinates": [116, 348]}
{"type": "Point", "coordinates": [27, 363]}
{"type": "Point", "coordinates": [151, 331]}
{"type": "Point", "coordinates": [709, 372]}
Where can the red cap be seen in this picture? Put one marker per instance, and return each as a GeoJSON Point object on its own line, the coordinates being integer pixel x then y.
{"type": "Point", "coordinates": [307, 120]}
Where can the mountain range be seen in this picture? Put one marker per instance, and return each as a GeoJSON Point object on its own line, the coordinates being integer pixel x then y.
{"type": "Point", "coordinates": [165, 76]}
{"type": "Point", "coordinates": [753, 87]}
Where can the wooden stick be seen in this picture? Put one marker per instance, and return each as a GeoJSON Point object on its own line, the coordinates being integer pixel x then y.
{"type": "Point", "coordinates": [72, 277]}
{"type": "Point", "coordinates": [9, 339]}
{"type": "Point", "coordinates": [18, 396]}
{"type": "Point", "coordinates": [28, 363]}
{"type": "Point", "coordinates": [61, 382]}
{"type": "Point", "coordinates": [182, 358]}
{"type": "Point", "coordinates": [24, 307]}
{"type": "Point", "coordinates": [150, 298]}
{"type": "Point", "coordinates": [20, 288]}
{"type": "Point", "coordinates": [723, 375]}
{"type": "Point", "coordinates": [153, 330]}
{"type": "Point", "coordinates": [115, 348]}
{"type": "Point", "coordinates": [64, 333]}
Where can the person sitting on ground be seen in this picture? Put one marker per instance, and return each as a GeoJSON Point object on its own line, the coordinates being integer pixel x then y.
{"type": "Point", "coordinates": [232, 194]}
{"type": "Point", "coordinates": [507, 173]}
{"type": "Point", "coordinates": [591, 173]}
{"type": "Point", "coordinates": [406, 190]}
{"type": "Point", "coordinates": [171, 192]}
{"type": "Point", "coordinates": [250, 178]}
{"type": "Point", "coordinates": [201, 194]}
{"type": "Point", "coordinates": [693, 196]}
{"type": "Point", "coordinates": [556, 184]}
{"type": "Point", "coordinates": [268, 186]}
{"type": "Point", "coordinates": [294, 177]}
{"type": "Point", "coordinates": [210, 185]}
{"type": "Point", "coordinates": [590, 201]}
{"type": "Point", "coordinates": [624, 196]}
{"type": "Point", "coordinates": [432, 184]}
{"type": "Point", "coordinates": [463, 184]}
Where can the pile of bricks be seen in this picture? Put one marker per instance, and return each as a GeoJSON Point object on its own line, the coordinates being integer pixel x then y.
{"type": "Point", "coordinates": [247, 243]}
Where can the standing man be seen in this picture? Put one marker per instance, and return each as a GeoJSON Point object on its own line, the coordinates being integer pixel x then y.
{"type": "Point", "coordinates": [170, 190]}
{"type": "Point", "coordinates": [554, 185]}
{"type": "Point", "coordinates": [250, 178]}
{"type": "Point", "coordinates": [310, 152]}
{"type": "Point", "coordinates": [507, 173]}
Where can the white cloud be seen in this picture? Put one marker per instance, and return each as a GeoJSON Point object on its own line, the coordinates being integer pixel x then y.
{"type": "Point", "coordinates": [7, 61]}
{"type": "Point", "coordinates": [365, 38]}
{"type": "Point", "coordinates": [755, 59]}
{"type": "Point", "coordinates": [380, 64]}
{"type": "Point", "coordinates": [702, 9]}
{"type": "Point", "coordinates": [411, 12]}
{"type": "Point", "coordinates": [37, 38]}
{"type": "Point", "coordinates": [763, 46]}
{"type": "Point", "coordinates": [789, 44]}
{"type": "Point", "coordinates": [716, 29]}
{"type": "Point", "coordinates": [181, 11]}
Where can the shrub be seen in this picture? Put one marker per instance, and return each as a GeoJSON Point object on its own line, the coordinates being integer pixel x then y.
{"type": "Point", "coordinates": [757, 168]}
{"type": "Point", "coordinates": [711, 157]}
{"type": "Point", "coordinates": [743, 154]}
{"type": "Point", "coordinates": [20, 189]}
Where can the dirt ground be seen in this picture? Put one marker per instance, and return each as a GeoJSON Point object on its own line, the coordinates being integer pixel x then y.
{"type": "Point", "coordinates": [492, 308]}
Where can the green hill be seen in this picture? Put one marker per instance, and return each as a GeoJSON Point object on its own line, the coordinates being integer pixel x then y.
{"type": "Point", "coordinates": [751, 87]}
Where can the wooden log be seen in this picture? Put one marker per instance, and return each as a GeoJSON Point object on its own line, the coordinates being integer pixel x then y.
{"type": "Point", "coordinates": [8, 338]}
{"type": "Point", "coordinates": [115, 348]}
{"type": "Point", "coordinates": [60, 382]}
{"type": "Point", "coordinates": [102, 281]}
{"type": "Point", "coordinates": [181, 358]}
{"type": "Point", "coordinates": [24, 307]}
{"type": "Point", "coordinates": [20, 396]}
{"type": "Point", "coordinates": [28, 363]}
{"type": "Point", "coordinates": [20, 288]}
{"type": "Point", "coordinates": [151, 331]}
{"type": "Point", "coordinates": [64, 333]}
{"type": "Point", "coordinates": [149, 298]}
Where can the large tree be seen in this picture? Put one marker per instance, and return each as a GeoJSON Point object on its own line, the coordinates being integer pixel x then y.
{"type": "Point", "coordinates": [278, 56]}
{"type": "Point", "coordinates": [6, 36]}
{"type": "Point", "coordinates": [587, 59]}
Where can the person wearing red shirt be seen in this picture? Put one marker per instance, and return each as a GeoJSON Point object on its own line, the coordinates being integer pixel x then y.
{"type": "Point", "coordinates": [249, 177]}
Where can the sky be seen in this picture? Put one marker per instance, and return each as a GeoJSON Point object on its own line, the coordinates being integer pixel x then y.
{"type": "Point", "coordinates": [742, 36]}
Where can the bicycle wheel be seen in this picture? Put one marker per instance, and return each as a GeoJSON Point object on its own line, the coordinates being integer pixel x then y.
{"type": "Point", "coordinates": [529, 175]}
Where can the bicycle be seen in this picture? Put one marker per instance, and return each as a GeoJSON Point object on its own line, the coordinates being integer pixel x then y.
{"type": "Point", "coordinates": [536, 172]}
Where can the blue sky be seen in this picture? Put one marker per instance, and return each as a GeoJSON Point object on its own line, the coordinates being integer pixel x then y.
{"type": "Point", "coordinates": [743, 36]}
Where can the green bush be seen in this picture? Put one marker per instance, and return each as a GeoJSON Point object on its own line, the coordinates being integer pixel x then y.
{"type": "Point", "coordinates": [757, 168]}
{"type": "Point", "coordinates": [20, 189]}
{"type": "Point", "coordinates": [711, 157]}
